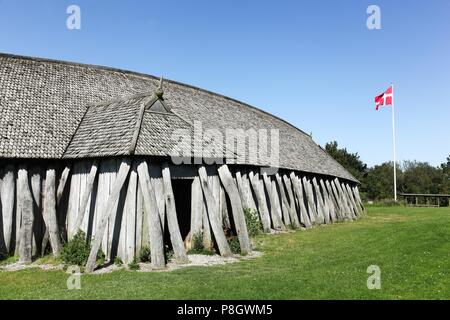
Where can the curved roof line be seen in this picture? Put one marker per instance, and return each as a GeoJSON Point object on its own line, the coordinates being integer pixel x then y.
{"type": "Point", "coordinates": [144, 75]}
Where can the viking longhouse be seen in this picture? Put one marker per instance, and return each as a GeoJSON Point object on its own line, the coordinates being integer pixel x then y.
{"type": "Point", "coordinates": [135, 161]}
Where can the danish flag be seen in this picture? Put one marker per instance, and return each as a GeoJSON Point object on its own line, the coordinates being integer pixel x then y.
{"type": "Point", "coordinates": [385, 98]}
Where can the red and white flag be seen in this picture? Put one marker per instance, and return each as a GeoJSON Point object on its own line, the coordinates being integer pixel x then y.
{"type": "Point", "coordinates": [385, 98]}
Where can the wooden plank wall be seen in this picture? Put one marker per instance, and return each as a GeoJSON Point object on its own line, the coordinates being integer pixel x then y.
{"type": "Point", "coordinates": [80, 193]}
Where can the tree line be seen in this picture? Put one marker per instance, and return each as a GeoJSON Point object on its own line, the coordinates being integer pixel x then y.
{"type": "Point", "coordinates": [377, 181]}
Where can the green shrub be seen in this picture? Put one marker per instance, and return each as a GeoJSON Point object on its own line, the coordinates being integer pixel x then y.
{"type": "Point", "coordinates": [145, 254]}
{"type": "Point", "coordinates": [197, 241]}
{"type": "Point", "coordinates": [76, 251]}
{"type": "Point", "coordinates": [101, 257]}
{"type": "Point", "coordinates": [118, 262]}
{"type": "Point", "coordinates": [234, 244]}
{"type": "Point", "coordinates": [254, 226]}
{"type": "Point", "coordinates": [168, 255]}
{"type": "Point", "coordinates": [203, 251]}
{"type": "Point", "coordinates": [133, 265]}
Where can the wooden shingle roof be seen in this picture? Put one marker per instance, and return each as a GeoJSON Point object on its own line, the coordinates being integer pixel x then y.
{"type": "Point", "coordinates": [53, 110]}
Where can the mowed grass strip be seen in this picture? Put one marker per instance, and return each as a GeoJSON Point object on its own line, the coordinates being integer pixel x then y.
{"type": "Point", "coordinates": [410, 245]}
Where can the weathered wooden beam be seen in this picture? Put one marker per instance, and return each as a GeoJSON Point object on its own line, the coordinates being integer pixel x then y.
{"type": "Point", "coordinates": [339, 205]}
{"type": "Point", "coordinates": [276, 204]}
{"type": "Point", "coordinates": [352, 200]}
{"type": "Point", "coordinates": [298, 190]}
{"type": "Point", "coordinates": [248, 192]}
{"type": "Point", "coordinates": [358, 197]}
{"type": "Point", "coordinates": [328, 201]}
{"type": "Point", "coordinates": [236, 208]}
{"type": "Point", "coordinates": [312, 209]}
{"type": "Point", "coordinates": [172, 220]}
{"type": "Point", "coordinates": [26, 206]}
{"type": "Point", "coordinates": [292, 205]}
{"type": "Point", "coordinates": [213, 213]}
{"type": "Point", "coordinates": [223, 208]}
{"type": "Point", "coordinates": [7, 196]}
{"type": "Point", "coordinates": [322, 210]}
{"type": "Point", "coordinates": [275, 211]}
{"type": "Point", "coordinates": [158, 186]}
{"type": "Point", "coordinates": [154, 221]}
{"type": "Point", "coordinates": [348, 201]}
{"type": "Point", "coordinates": [261, 199]}
{"type": "Point", "coordinates": [196, 207]}
{"type": "Point", "coordinates": [86, 195]}
{"type": "Point", "coordinates": [50, 218]}
{"type": "Point", "coordinates": [130, 213]}
{"type": "Point", "coordinates": [276, 223]}
{"type": "Point", "coordinates": [284, 202]}
{"type": "Point", "coordinates": [343, 200]}
{"type": "Point", "coordinates": [111, 205]}
{"type": "Point", "coordinates": [206, 226]}
{"type": "Point", "coordinates": [139, 218]}
{"type": "Point", "coordinates": [38, 223]}
{"type": "Point", "coordinates": [242, 190]}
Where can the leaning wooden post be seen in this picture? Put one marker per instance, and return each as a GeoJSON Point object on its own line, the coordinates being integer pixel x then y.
{"type": "Point", "coordinates": [261, 199]}
{"type": "Point", "coordinates": [321, 207]}
{"type": "Point", "coordinates": [297, 185]}
{"type": "Point", "coordinates": [284, 201]}
{"type": "Point", "coordinates": [340, 209]}
{"type": "Point", "coordinates": [86, 195]}
{"type": "Point", "coordinates": [292, 206]}
{"type": "Point", "coordinates": [313, 213]}
{"type": "Point", "coordinates": [172, 220]}
{"type": "Point", "coordinates": [26, 205]}
{"type": "Point", "coordinates": [328, 201]}
{"type": "Point", "coordinates": [343, 201]}
{"type": "Point", "coordinates": [7, 203]}
{"type": "Point", "coordinates": [110, 207]}
{"type": "Point", "coordinates": [213, 213]}
{"type": "Point", "coordinates": [154, 220]}
{"type": "Point", "coordinates": [358, 197]}
{"type": "Point", "coordinates": [236, 206]}
{"type": "Point", "coordinates": [275, 210]}
{"type": "Point", "coordinates": [196, 207]}
{"type": "Point", "coordinates": [50, 219]}
{"type": "Point", "coordinates": [352, 199]}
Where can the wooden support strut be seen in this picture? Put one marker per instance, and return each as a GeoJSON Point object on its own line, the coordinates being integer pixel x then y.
{"type": "Point", "coordinates": [7, 203]}
{"type": "Point", "coordinates": [292, 206]}
{"type": "Point", "coordinates": [154, 221]}
{"type": "Point", "coordinates": [328, 201]}
{"type": "Point", "coordinates": [50, 218]}
{"type": "Point", "coordinates": [284, 202]}
{"type": "Point", "coordinates": [213, 213]}
{"type": "Point", "coordinates": [108, 211]}
{"type": "Point", "coordinates": [312, 210]}
{"type": "Point", "coordinates": [86, 195]}
{"type": "Point", "coordinates": [26, 207]}
{"type": "Point", "coordinates": [196, 207]}
{"type": "Point", "coordinates": [322, 209]}
{"type": "Point", "coordinates": [297, 186]}
{"type": "Point", "coordinates": [347, 213]}
{"type": "Point", "coordinates": [172, 221]}
{"type": "Point", "coordinates": [261, 199]}
{"type": "Point", "coordinates": [275, 210]}
{"type": "Point", "coordinates": [236, 206]}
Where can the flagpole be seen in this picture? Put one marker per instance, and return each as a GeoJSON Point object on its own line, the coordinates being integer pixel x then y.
{"type": "Point", "coordinates": [393, 143]}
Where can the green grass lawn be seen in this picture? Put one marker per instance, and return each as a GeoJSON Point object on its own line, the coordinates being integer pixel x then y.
{"type": "Point", "coordinates": [410, 245]}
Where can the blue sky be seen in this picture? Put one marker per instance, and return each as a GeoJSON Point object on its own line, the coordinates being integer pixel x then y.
{"type": "Point", "coordinates": [313, 63]}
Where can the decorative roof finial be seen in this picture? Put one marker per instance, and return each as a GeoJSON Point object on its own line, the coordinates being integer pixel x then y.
{"type": "Point", "coordinates": [159, 91]}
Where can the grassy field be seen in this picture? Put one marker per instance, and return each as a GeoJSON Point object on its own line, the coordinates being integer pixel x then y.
{"type": "Point", "coordinates": [410, 245]}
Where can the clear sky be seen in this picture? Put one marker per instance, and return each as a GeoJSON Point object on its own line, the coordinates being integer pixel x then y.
{"type": "Point", "coordinates": [313, 63]}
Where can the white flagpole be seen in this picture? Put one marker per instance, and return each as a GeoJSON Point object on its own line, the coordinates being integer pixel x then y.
{"type": "Point", "coordinates": [393, 144]}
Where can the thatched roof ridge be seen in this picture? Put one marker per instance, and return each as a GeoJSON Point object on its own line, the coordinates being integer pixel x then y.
{"type": "Point", "coordinates": [43, 102]}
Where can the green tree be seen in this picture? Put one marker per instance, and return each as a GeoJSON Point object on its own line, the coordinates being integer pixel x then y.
{"type": "Point", "coordinates": [379, 182]}
{"type": "Point", "coordinates": [350, 161]}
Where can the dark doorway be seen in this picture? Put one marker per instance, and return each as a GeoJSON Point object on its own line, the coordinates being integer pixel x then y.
{"type": "Point", "coordinates": [182, 193]}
